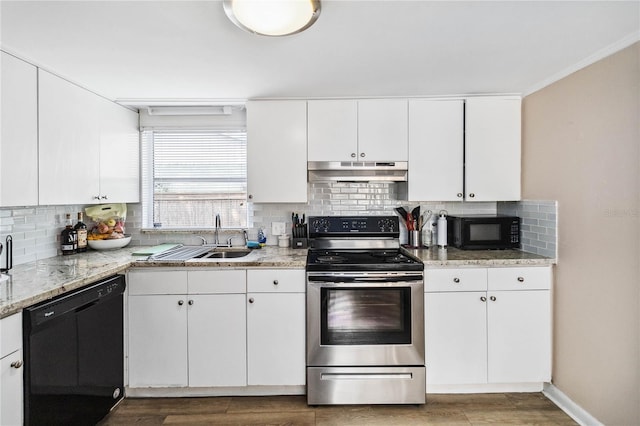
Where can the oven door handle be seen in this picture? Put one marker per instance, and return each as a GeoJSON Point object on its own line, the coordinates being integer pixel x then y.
{"type": "Point", "coordinates": [342, 279]}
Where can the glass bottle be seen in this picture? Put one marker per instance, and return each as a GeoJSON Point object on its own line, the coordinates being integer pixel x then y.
{"type": "Point", "coordinates": [81, 231]}
{"type": "Point", "coordinates": [68, 237]}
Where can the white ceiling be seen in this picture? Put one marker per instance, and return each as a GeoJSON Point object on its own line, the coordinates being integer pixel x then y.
{"type": "Point", "coordinates": [180, 50]}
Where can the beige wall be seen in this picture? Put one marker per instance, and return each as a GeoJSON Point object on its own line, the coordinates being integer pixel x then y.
{"type": "Point", "coordinates": [581, 146]}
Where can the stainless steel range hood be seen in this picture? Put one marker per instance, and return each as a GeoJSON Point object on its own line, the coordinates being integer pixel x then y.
{"type": "Point", "coordinates": [357, 171]}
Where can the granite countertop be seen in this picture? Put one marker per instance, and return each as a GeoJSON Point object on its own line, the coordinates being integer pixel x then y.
{"type": "Point", "coordinates": [41, 280]}
{"type": "Point", "coordinates": [455, 257]}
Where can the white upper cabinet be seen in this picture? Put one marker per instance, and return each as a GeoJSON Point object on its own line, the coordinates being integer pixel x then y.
{"type": "Point", "coordinates": [19, 139]}
{"type": "Point", "coordinates": [333, 130]}
{"type": "Point", "coordinates": [358, 130]}
{"type": "Point", "coordinates": [492, 149]}
{"type": "Point", "coordinates": [464, 149]}
{"type": "Point", "coordinates": [89, 146]}
{"type": "Point", "coordinates": [436, 150]}
{"type": "Point", "coordinates": [382, 130]}
{"type": "Point", "coordinates": [277, 151]}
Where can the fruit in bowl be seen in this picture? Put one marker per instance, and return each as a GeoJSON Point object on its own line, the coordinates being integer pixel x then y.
{"type": "Point", "coordinates": [109, 243]}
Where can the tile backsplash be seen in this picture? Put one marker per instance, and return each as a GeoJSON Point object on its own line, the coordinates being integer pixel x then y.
{"type": "Point", "coordinates": [35, 230]}
{"type": "Point", "coordinates": [539, 224]}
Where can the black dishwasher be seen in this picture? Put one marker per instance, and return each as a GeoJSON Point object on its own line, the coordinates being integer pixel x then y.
{"type": "Point", "coordinates": [73, 351]}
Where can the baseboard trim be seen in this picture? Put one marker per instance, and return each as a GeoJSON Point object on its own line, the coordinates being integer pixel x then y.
{"type": "Point", "coordinates": [486, 388]}
{"type": "Point", "coordinates": [572, 409]}
{"type": "Point", "coordinates": [178, 392]}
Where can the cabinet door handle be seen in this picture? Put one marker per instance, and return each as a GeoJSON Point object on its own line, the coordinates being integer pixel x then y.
{"type": "Point", "coordinates": [250, 197]}
{"type": "Point", "coordinates": [104, 197]}
{"type": "Point", "coordinates": [180, 302]}
{"type": "Point", "coordinates": [96, 197]}
{"type": "Point", "coordinates": [472, 195]}
{"type": "Point", "coordinates": [362, 154]}
{"type": "Point", "coordinates": [521, 279]}
{"type": "Point", "coordinates": [251, 300]}
{"type": "Point", "coordinates": [275, 282]}
{"type": "Point", "coordinates": [353, 155]}
{"type": "Point", "coordinates": [190, 302]}
{"type": "Point", "coordinates": [493, 298]}
{"type": "Point", "coordinates": [484, 299]}
{"type": "Point", "coordinates": [459, 194]}
{"type": "Point", "coordinates": [456, 280]}
{"type": "Point", "coordinates": [16, 364]}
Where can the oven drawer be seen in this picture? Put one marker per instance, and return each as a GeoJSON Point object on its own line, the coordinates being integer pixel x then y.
{"type": "Point", "coordinates": [468, 279]}
{"type": "Point", "coordinates": [366, 385]}
{"type": "Point", "coordinates": [276, 280]}
{"type": "Point", "coordinates": [526, 278]}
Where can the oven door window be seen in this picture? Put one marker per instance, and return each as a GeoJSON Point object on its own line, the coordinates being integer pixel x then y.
{"type": "Point", "coordinates": [366, 316]}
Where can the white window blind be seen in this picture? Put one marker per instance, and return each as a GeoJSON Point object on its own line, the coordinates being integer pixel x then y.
{"type": "Point", "coordinates": [192, 175]}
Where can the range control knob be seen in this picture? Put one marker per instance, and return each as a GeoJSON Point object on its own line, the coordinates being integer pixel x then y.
{"type": "Point", "coordinates": [320, 225]}
{"type": "Point", "coordinates": [386, 225]}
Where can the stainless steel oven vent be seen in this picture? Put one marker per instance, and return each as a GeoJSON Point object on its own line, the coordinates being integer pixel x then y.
{"type": "Point", "coordinates": [357, 171]}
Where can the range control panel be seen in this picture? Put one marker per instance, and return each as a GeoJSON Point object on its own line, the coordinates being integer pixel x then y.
{"type": "Point", "coordinates": [327, 226]}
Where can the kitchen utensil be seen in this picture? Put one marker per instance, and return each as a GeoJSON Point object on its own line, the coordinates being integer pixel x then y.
{"type": "Point", "coordinates": [402, 212]}
{"type": "Point", "coordinates": [8, 254]}
{"type": "Point", "coordinates": [415, 213]}
{"type": "Point", "coordinates": [426, 218]}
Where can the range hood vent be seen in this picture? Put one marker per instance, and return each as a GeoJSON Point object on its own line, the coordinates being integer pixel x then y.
{"type": "Point", "coordinates": [357, 171]}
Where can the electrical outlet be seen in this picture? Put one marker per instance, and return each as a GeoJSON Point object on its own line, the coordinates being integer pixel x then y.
{"type": "Point", "coordinates": [278, 228]}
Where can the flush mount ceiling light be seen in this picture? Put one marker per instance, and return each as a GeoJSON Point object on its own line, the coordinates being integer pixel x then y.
{"type": "Point", "coordinates": [272, 17]}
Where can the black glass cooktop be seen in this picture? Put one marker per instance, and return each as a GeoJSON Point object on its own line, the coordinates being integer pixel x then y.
{"type": "Point", "coordinates": [359, 260]}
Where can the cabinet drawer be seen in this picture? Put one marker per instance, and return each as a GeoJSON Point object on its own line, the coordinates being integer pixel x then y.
{"type": "Point", "coordinates": [276, 280]}
{"type": "Point", "coordinates": [528, 278]}
{"type": "Point", "coordinates": [157, 282]}
{"type": "Point", "coordinates": [472, 279]}
{"type": "Point", "coordinates": [215, 282]}
{"type": "Point", "coordinates": [10, 334]}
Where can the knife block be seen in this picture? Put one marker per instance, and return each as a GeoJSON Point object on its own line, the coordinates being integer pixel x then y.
{"type": "Point", "coordinates": [299, 243]}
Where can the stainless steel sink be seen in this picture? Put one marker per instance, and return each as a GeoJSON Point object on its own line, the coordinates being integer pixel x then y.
{"type": "Point", "coordinates": [224, 253]}
{"type": "Point", "coordinates": [183, 253]}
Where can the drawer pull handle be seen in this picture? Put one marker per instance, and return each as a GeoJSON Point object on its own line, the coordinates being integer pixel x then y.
{"type": "Point", "coordinates": [521, 279]}
{"type": "Point", "coordinates": [484, 299]}
{"type": "Point", "coordinates": [190, 302]}
{"type": "Point", "coordinates": [456, 280]}
{"type": "Point", "coordinates": [16, 364]}
{"type": "Point", "coordinates": [275, 282]}
{"type": "Point", "coordinates": [251, 300]}
{"type": "Point", "coordinates": [493, 298]}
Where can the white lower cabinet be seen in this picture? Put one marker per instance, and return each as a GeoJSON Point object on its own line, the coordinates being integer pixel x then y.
{"type": "Point", "coordinates": [488, 325]}
{"type": "Point", "coordinates": [11, 370]}
{"type": "Point", "coordinates": [187, 328]}
{"type": "Point", "coordinates": [217, 340]}
{"type": "Point", "coordinates": [276, 327]}
{"type": "Point", "coordinates": [157, 340]}
{"type": "Point", "coordinates": [222, 328]}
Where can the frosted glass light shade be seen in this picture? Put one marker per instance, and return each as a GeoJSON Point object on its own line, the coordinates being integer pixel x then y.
{"type": "Point", "coordinates": [272, 17]}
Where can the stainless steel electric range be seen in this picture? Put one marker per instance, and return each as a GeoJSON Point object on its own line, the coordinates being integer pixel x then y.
{"type": "Point", "coordinates": [365, 314]}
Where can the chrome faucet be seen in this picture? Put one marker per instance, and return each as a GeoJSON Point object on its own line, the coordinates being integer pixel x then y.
{"type": "Point", "coordinates": [204, 240]}
{"type": "Point", "coordinates": [246, 237]}
{"type": "Point", "coordinates": [216, 236]}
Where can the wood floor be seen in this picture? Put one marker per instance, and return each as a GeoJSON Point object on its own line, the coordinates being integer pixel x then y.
{"type": "Point", "coordinates": [511, 408]}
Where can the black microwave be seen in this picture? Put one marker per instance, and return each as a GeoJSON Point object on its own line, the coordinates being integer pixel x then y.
{"type": "Point", "coordinates": [481, 232]}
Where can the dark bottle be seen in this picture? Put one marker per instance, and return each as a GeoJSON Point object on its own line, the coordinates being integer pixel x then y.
{"type": "Point", "coordinates": [81, 231]}
{"type": "Point", "coordinates": [68, 238]}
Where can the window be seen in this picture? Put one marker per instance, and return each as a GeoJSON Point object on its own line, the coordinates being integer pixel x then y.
{"type": "Point", "coordinates": [189, 176]}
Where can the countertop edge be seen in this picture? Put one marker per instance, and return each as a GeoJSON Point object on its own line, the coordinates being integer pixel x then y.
{"type": "Point", "coordinates": [34, 277]}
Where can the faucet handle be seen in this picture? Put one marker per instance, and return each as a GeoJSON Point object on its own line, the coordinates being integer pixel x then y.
{"type": "Point", "coordinates": [229, 241]}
